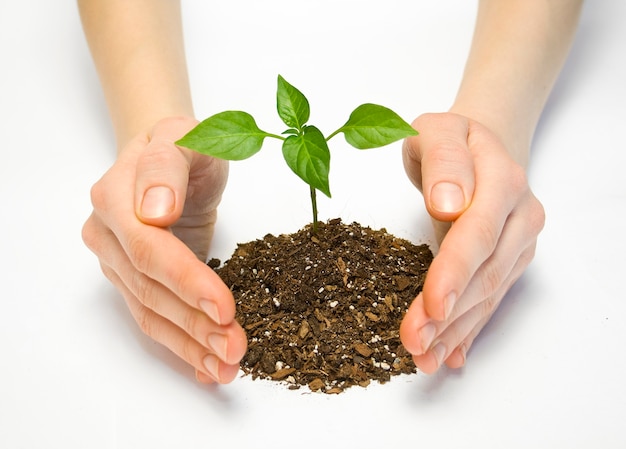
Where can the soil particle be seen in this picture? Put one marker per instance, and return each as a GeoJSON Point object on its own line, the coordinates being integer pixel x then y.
{"type": "Point", "coordinates": [323, 310]}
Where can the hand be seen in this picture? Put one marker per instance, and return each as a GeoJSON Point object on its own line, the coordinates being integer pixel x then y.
{"type": "Point", "coordinates": [153, 219]}
{"type": "Point", "coordinates": [487, 221]}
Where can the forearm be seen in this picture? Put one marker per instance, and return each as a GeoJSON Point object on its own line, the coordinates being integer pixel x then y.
{"type": "Point", "coordinates": [138, 50]}
{"type": "Point", "coordinates": [518, 49]}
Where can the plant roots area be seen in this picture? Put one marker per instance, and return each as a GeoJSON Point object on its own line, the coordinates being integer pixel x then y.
{"type": "Point", "coordinates": [323, 309]}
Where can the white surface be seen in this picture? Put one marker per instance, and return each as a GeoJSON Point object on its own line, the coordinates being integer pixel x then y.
{"type": "Point", "coordinates": [547, 372]}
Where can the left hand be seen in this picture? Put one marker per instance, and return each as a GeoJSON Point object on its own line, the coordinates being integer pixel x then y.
{"type": "Point", "coordinates": [487, 221]}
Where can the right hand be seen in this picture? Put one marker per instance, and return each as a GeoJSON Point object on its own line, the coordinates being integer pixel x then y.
{"type": "Point", "coordinates": [152, 223]}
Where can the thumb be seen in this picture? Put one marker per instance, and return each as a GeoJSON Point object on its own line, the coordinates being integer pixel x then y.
{"type": "Point", "coordinates": [162, 176]}
{"type": "Point", "coordinates": [446, 164]}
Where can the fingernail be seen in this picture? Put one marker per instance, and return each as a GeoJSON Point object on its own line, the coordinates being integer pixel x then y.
{"type": "Point", "coordinates": [210, 308]}
{"type": "Point", "coordinates": [440, 353]}
{"type": "Point", "coordinates": [448, 304]}
{"type": "Point", "coordinates": [427, 335]}
{"type": "Point", "coordinates": [157, 202]}
{"type": "Point", "coordinates": [447, 197]}
{"type": "Point", "coordinates": [219, 344]}
{"type": "Point", "coordinates": [212, 364]}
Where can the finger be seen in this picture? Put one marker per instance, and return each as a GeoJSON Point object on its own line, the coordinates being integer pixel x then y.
{"type": "Point", "coordinates": [174, 338]}
{"type": "Point", "coordinates": [452, 345]}
{"type": "Point", "coordinates": [514, 251]}
{"type": "Point", "coordinates": [418, 332]}
{"type": "Point", "coordinates": [485, 309]}
{"type": "Point", "coordinates": [440, 157]}
{"type": "Point", "coordinates": [162, 176]}
{"type": "Point", "coordinates": [453, 342]}
{"type": "Point", "coordinates": [454, 339]}
{"type": "Point", "coordinates": [197, 232]}
{"type": "Point", "coordinates": [228, 342]}
{"type": "Point", "coordinates": [415, 339]}
{"type": "Point", "coordinates": [473, 237]}
{"type": "Point", "coordinates": [206, 184]}
{"type": "Point", "coordinates": [204, 378]}
{"type": "Point", "coordinates": [229, 371]}
{"type": "Point", "coordinates": [159, 255]}
{"type": "Point", "coordinates": [458, 357]}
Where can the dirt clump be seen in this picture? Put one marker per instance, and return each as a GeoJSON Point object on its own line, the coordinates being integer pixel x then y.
{"type": "Point", "coordinates": [323, 309]}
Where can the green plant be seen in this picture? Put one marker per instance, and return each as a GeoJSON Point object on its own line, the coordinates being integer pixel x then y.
{"type": "Point", "coordinates": [234, 135]}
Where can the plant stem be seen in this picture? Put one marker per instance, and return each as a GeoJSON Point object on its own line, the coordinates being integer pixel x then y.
{"type": "Point", "coordinates": [314, 205]}
{"type": "Point", "coordinates": [275, 136]}
{"type": "Point", "coordinates": [333, 135]}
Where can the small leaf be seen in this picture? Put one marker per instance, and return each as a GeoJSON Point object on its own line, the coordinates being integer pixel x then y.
{"type": "Point", "coordinates": [291, 131]}
{"type": "Point", "coordinates": [231, 135]}
{"type": "Point", "coordinates": [372, 126]}
{"type": "Point", "coordinates": [293, 107]}
{"type": "Point", "coordinates": [309, 157]}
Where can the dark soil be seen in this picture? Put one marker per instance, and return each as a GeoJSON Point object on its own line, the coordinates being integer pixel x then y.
{"type": "Point", "coordinates": [324, 309]}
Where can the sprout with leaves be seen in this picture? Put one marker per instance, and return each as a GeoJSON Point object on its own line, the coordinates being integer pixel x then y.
{"type": "Point", "coordinates": [234, 135]}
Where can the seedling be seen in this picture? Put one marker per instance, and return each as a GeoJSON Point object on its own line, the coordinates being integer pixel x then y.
{"type": "Point", "coordinates": [234, 135]}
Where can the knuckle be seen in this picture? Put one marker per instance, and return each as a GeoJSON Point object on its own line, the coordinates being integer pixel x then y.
{"type": "Point", "coordinates": [189, 352]}
{"type": "Point", "coordinates": [98, 195]}
{"type": "Point", "coordinates": [532, 212]}
{"type": "Point", "coordinates": [159, 158]}
{"type": "Point", "coordinates": [537, 217]}
{"type": "Point", "coordinates": [488, 306]}
{"type": "Point", "coordinates": [146, 322]}
{"type": "Point", "coordinates": [89, 235]}
{"type": "Point", "coordinates": [181, 279]}
{"type": "Point", "coordinates": [157, 155]}
{"type": "Point", "coordinates": [491, 279]}
{"type": "Point", "coordinates": [487, 235]}
{"type": "Point", "coordinates": [144, 290]}
{"type": "Point", "coordinates": [194, 323]}
{"type": "Point", "coordinates": [139, 251]}
{"type": "Point", "coordinates": [446, 152]}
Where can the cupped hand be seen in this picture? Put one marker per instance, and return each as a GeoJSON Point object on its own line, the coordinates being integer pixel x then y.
{"type": "Point", "coordinates": [151, 226]}
{"type": "Point", "coordinates": [487, 221]}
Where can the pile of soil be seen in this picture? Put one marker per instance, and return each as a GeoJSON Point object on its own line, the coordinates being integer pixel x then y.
{"type": "Point", "coordinates": [324, 309]}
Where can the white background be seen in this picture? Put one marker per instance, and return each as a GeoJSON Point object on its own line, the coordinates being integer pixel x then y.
{"type": "Point", "coordinates": [76, 372]}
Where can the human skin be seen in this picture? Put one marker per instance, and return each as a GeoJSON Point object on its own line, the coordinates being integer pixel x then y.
{"type": "Point", "coordinates": [155, 208]}
{"type": "Point", "coordinates": [470, 165]}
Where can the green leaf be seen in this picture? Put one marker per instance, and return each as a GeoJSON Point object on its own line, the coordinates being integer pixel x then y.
{"type": "Point", "coordinates": [372, 126]}
{"type": "Point", "coordinates": [309, 157]}
{"type": "Point", "coordinates": [231, 135]}
{"type": "Point", "coordinates": [293, 107]}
